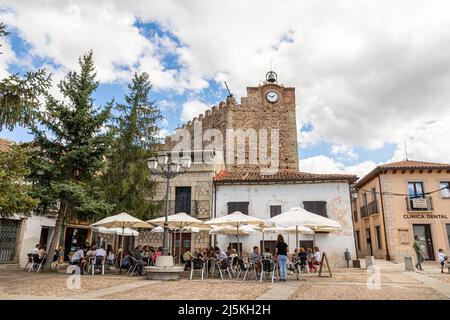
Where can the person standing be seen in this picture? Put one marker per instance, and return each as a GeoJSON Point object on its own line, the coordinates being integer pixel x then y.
{"type": "Point", "coordinates": [281, 250]}
{"type": "Point", "coordinates": [419, 252]}
{"type": "Point", "coordinates": [442, 259]}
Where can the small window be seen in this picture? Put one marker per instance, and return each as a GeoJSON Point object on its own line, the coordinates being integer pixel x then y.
{"type": "Point", "coordinates": [275, 210]}
{"type": "Point", "coordinates": [317, 207]}
{"type": "Point", "coordinates": [379, 243]}
{"type": "Point", "coordinates": [415, 190]}
{"type": "Point", "coordinates": [358, 243]}
{"type": "Point", "coordinates": [238, 206]}
{"type": "Point", "coordinates": [445, 193]}
{"type": "Point", "coordinates": [374, 194]}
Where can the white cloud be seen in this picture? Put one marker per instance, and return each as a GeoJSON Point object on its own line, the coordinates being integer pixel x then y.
{"type": "Point", "coordinates": [192, 108]}
{"type": "Point", "coordinates": [324, 164]}
{"type": "Point", "coordinates": [7, 57]}
{"type": "Point", "coordinates": [362, 80]}
{"type": "Point", "coordinates": [346, 151]}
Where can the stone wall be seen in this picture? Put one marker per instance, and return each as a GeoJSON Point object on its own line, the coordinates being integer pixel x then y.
{"type": "Point", "coordinates": [254, 112]}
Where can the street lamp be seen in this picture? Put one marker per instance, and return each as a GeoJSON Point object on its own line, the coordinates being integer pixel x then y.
{"type": "Point", "coordinates": [160, 166]}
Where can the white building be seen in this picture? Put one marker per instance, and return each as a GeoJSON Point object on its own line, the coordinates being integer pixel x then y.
{"type": "Point", "coordinates": [19, 235]}
{"type": "Point", "coordinates": [265, 196]}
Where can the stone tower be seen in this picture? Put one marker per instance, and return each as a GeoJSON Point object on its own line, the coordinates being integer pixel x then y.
{"type": "Point", "coordinates": [268, 106]}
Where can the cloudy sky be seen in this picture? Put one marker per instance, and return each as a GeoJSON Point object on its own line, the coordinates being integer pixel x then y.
{"type": "Point", "coordinates": [369, 75]}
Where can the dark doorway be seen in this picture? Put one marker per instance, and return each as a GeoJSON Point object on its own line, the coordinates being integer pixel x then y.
{"type": "Point", "coordinates": [185, 243]}
{"type": "Point", "coordinates": [234, 245]}
{"type": "Point", "coordinates": [426, 242]}
{"type": "Point", "coordinates": [74, 238]}
{"type": "Point", "coordinates": [369, 242]}
{"type": "Point", "coordinates": [268, 244]}
{"type": "Point", "coordinates": [305, 244]}
{"type": "Point", "coordinates": [183, 199]}
{"type": "Point", "coordinates": [44, 236]}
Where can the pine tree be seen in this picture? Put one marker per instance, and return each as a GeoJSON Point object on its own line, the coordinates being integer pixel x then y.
{"type": "Point", "coordinates": [127, 183]}
{"type": "Point", "coordinates": [15, 194]}
{"type": "Point", "coordinates": [19, 96]}
{"type": "Point", "coordinates": [70, 144]}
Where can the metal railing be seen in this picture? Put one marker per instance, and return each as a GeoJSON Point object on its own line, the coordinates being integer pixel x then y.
{"type": "Point", "coordinates": [191, 209]}
{"type": "Point", "coordinates": [373, 207]}
{"type": "Point", "coordinates": [364, 211]}
{"type": "Point", "coordinates": [415, 204]}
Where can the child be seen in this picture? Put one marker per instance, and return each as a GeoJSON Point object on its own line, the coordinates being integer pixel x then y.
{"type": "Point", "coordinates": [442, 259]}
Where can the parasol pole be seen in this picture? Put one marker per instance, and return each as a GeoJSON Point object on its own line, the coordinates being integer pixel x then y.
{"type": "Point", "coordinates": [121, 253]}
{"type": "Point", "coordinates": [237, 235]}
{"type": "Point", "coordinates": [179, 249]}
{"type": "Point", "coordinates": [296, 236]}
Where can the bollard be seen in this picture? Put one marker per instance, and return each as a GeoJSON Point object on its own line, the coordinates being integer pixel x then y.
{"type": "Point", "coordinates": [409, 264]}
{"type": "Point", "coordinates": [370, 261]}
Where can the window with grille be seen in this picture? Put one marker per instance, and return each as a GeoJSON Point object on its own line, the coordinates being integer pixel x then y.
{"type": "Point", "coordinates": [317, 207]}
{"type": "Point", "coordinates": [238, 206]}
{"type": "Point", "coordinates": [275, 210]}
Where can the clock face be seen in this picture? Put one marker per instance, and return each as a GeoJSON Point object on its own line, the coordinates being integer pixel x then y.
{"type": "Point", "coordinates": [272, 96]}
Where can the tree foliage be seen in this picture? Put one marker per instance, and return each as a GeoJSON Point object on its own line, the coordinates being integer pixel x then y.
{"type": "Point", "coordinates": [70, 144]}
{"type": "Point", "coordinates": [127, 182]}
{"type": "Point", "coordinates": [15, 193]}
{"type": "Point", "coordinates": [19, 96]}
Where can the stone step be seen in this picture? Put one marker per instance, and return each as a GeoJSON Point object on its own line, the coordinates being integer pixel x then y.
{"type": "Point", "coordinates": [9, 266]}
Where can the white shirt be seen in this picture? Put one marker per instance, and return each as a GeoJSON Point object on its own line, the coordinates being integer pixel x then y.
{"type": "Point", "coordinates": [222, 255]}
{"type": "Point", "coordinates": [317, 256]}
{"type": "Point", "coordinates": [100, 252]}
{"type": "Point", "coordinates": [441, 256]}
{"type": "Point", "coordinates": [35, 251]}
{"type": "Point", "coordinates": [77, 255]}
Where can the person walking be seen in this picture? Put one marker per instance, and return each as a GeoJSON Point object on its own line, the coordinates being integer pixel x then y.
{"type": "Point", "coordinates": [281, 250]}
{"type": "Point", "coordinates": [419, 252]}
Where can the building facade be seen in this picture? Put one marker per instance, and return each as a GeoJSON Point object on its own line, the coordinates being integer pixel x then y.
{"type": "Point", "coordinates": [399, 200]}
{"type": "Point", "coordinates": [266, 196]}
{"type": "Point", "coordinates": [226, 185]}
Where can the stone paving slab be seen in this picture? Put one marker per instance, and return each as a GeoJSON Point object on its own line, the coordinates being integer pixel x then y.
{"type": "Point", "coordinates": [281, 290]}
{"type": "Point", "coordinates": [111, 290]}
{"type": "Point", "coordinates": [433, 283]}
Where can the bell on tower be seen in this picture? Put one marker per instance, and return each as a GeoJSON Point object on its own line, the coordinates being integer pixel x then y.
{"type": "Point", "coordinates": [271, 77]}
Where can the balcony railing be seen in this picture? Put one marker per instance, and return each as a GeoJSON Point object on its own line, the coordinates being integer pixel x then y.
{"type": "Point", "coordinates": [373, 207]}
{"type": "Point", "coordinates": [364, 211]}
{"type": "Point", "coordinates": [419, 204]}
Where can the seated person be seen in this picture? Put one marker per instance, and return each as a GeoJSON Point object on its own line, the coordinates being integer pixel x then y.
{"type": "Point", "coordinates": [187, 257]}
{"type": "Point", "coordinates": [36, 249]}
{"type": "Point", "coordinates": [156, 254]}
{"type": "Point", "coordinates": [77, 256]}
{"type": "Point", "coordinates": [233, 254]}
{"type": "Point", "coordinates": [267, 254]}
{"type": "Point", "coordinates": [137, 253]}
{"type": "Point", "coordinates": [255, 258]}
{"type": "Point", "coordinates": [302, 255]}
{"type": "Point", "coordinates": [220, 254]}
{"type": "Point", "coordinates": [100, 252]}
{"type": "Point", "coordinates": [42, 253]}
{"type": "Point", "coordinates": [86, 258]}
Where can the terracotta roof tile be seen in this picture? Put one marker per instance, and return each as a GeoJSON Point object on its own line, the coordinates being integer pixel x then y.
{"type": "Point", "coordinates": [240, 176]}
{"type": "Point", "coordinates": [401, 165]}
{"type": "Point", "coordinates": [4, 143]}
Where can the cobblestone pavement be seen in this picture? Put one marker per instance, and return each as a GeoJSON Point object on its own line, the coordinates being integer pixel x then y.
{"type": "Point", "coordinates": [353, 284]}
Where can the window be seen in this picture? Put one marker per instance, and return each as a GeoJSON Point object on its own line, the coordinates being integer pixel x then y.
{"type": "Point", "coordinates": [234, 245]}
{"type": "Point", "coordinates": [373, 192]}
{"type": "Point", "coordinates": [358, 244]}
{"type": "Point", "coordinates": [355, 215]}
{"type": "Point", "coordinates": [378, 230]}
{"type": "Point", "coordinates": [415, 190]}
{"type": "Point", "coordinates": [238, 206]}
{"type": "Point", "coordinates": [317, 207]}
{"type": "Point", "coordinates": [445, 193]}
{"type": "Point", "coordinates": [183, 199]}
{"type": "Point", "coordinates": [275, 210]}
{"type": "Point", "coordinates": [365, 199]}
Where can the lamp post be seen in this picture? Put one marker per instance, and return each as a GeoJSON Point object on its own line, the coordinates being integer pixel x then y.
{"type": "Point", "coordinates": [160, 166]}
